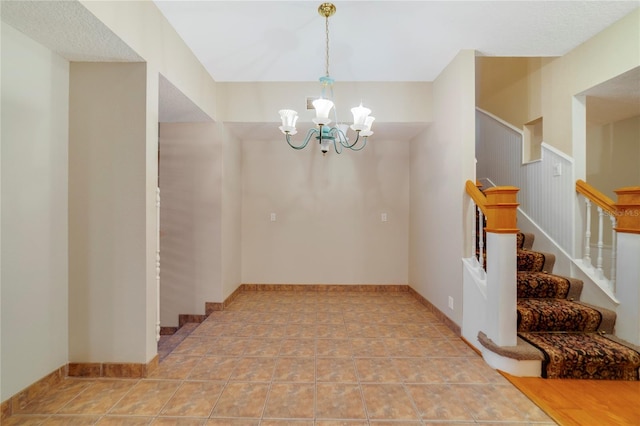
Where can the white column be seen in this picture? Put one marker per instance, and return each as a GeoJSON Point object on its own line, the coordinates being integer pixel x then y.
{"type": "Point", "coordinates": [501, 289]}
{"type": "Point", "coordinates": [628, 287]}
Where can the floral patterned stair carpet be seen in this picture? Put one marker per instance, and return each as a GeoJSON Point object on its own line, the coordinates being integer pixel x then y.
{"type": "Point", "coordinates": [576, 339]}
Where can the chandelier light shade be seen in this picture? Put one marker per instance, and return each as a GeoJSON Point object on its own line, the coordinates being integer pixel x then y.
{"type": "Point", "coordinates": [329, 133]}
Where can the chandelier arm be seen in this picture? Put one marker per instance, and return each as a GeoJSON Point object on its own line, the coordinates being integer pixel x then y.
{"type": "Point", "coordinates": [364, 143]}
{"type": "Point", "coordinates": [354, 142]}
{"type": "Point", "coordinates": [342, 137]}
{"type": "Point", "coordinates": [337, 147]}
{"type": "Point", "coordinates": [304, 143]}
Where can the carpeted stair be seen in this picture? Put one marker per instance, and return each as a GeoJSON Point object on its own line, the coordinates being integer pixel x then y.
{"type": "Point", "coordinates": [575, 339]}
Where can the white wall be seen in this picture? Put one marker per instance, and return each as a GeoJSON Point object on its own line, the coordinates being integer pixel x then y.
{"type": "Point", "coordinates": [328, 227]}
{"type": "Point", "coordinates": [107, 213]}
{"type": "Point", "coordinates": [34, 335]}
{"type": "Point", "coordinates": [442, 159]}
{"type": "Point", "coordinates": [190, 219]}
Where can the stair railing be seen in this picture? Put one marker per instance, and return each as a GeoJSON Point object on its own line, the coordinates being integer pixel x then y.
{"type": "Point", "coordinates": [604, 206]}
{"type": "Point", "coordinates": [477, 232]}
{"type": "Point", "coordinates": [498, 319]}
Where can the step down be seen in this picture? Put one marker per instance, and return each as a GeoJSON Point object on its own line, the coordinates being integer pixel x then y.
{"type": "Point", "coordinates": [585, 356]}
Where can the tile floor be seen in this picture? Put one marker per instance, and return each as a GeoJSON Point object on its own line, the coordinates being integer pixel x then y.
{"type": "Point", "coordinates": [303, 358]}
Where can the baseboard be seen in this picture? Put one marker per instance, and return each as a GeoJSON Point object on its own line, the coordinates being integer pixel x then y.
{"type": "Point", "coordinates": [121, 370]}
{"type": "Point", "coordinates": [437, 312]}
{"type": "Point", "coordinates": [168, 331]}
{"type": "Point", "coordinates": [20, 400]}
{"type": "Point", "coordinates": [327, 287]}
{"type": "Point", "coordinates": [209, 308]}
{"type": "Point", "coordinates": [185, 318]}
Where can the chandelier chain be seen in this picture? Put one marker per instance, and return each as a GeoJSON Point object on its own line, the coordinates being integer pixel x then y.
{"type": "Point", "coordinates": [326, 133]}
{"type": "Point", "coordinates": [327, 45]}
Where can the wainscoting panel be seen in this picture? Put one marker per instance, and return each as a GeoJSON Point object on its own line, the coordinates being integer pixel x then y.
{"type": "Point", "coordinates": [547, 186]}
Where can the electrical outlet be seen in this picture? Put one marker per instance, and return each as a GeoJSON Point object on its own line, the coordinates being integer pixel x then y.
{"type": "Point", "coordinates": [383, 217]}
{"type": "Point", "coordinates": [557, 169]}
{"type": "Point", "coordinates": [450, 302]}
{"type": "Point", "coordinates": [273, 217]}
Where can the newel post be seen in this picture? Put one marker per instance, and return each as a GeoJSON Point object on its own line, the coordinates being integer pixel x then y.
{"type": "Point", "coordinates": [501, 211]}
{"type": "Point", "coordinates": [628, 263]}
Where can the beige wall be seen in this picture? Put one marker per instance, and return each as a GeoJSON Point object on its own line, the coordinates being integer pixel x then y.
{"type": "Point", "coordinates": [328, 227]}
{"type": "Point", "coordinates": [143, 27]}
{"type": "Point", "coordinates": [510, 87]}
{"type": "Point", "coordinates": [260, 102]}
{"type": "Point", "coordinates": [34, 275]}
{"type": "Point", "coordinates": [107, 212]}
{"type": "Point", "coordinates": [190, 219]}
{"type": "Point", "coordinates": [613, 155]}
{"type": "Point", "coordinates": [522, 89]}
{"type": "Point", "coordinates": [231, 213]}
{"type": "Point", "coordinates": [442, 159]}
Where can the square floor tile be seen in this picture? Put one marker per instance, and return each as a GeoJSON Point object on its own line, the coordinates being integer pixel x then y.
{"type": "Point", "coordinates": [339, 401]}
{"type": "Point", "coordinates": [290, 400]}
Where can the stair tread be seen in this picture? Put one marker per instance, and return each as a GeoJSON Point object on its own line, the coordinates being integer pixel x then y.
{"type": "Point", "coordinates": [549, 315]}
{"type": "Point", "coordinates": [525, 240]}
{"type": "Point", "coordinates": [542, 285]}
{"type": "Point", "coordinates": [535, 261]}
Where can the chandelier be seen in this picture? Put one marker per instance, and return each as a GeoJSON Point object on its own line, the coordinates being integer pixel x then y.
{"type": "Point", "coordinates": [327, 134]}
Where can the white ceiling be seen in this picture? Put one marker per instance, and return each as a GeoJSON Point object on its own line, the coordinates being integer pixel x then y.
{"type": "Point", "coordinates": [377, 40]}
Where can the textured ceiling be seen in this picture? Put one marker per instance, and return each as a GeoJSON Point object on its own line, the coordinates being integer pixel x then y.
{"type": "Point", "coordinates": [68, 28]}
{"type": "Point", "coordinates": [377, 40]}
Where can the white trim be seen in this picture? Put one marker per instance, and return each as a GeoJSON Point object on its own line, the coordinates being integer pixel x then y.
{"type": "Point", "coordinates": [501, 121]}
{"type": "Point", "coordinates": [557, 152]}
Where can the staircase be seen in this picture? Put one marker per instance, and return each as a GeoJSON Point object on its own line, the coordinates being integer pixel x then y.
{"type": "Point", "coordinates": [573, 340]}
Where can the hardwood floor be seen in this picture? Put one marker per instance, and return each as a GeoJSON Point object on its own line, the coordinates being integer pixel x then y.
{"type": "Point", "coordinates": [584, 402]}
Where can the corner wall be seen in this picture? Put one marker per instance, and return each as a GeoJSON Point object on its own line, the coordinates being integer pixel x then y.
{"type": "Point", "coordinates": [442, 159]}
{"type": "Point", "coordinates": [34, 335]}
{"type": "Point", "coordinates": [231, 213]}
{"type": "Point", "coordinates": [107, 242]}
{"type": "Point", "coordinates": [190, 219]}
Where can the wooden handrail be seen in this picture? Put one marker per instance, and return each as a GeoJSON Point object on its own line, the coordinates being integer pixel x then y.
{"type": "Point", "coordinates": [477, 196]}
{"type": "Point", "coordinates": [626, 210]}
{"type": "Point", "coordinates": [597, 197]}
